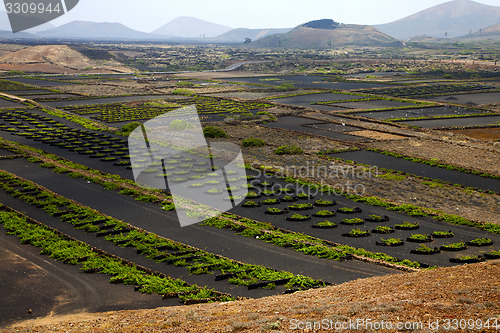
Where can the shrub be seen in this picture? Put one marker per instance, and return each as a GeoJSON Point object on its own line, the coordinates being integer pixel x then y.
{"type": "Point", "coordinates": [128, 128]}
{"type": "Point", "coordinates": [214, 132]}
{"type": "Point", "coordinates": [14, 72]}
{"type": "Point", "coordinates": [391, 241]}
{"type": "Point", "coordinates": [480, 242]}
{"type": "Point", "coordinates": [185, 84]}
{"type": "Point", "coordinates": [247, 116]}
{"type": "Point", "coordinates": [352, 221]}
{"type": "Point", "coordinates": [289, 150]}
{"type": "Point", "coordinates": [253, 142]}
{"type": "Point", "coordinates": [181, 91]}
{"type": "Point", "coordinates": [325, 224]}
{"type": "Point", "coordinates": [285, 87]}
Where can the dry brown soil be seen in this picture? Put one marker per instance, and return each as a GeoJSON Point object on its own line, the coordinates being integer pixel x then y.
{"type": "Point", "coordinates": [445, 294]}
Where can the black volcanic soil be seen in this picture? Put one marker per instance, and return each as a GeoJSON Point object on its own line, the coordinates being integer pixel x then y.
{"type": "Point", "coordinates": [49, 287]}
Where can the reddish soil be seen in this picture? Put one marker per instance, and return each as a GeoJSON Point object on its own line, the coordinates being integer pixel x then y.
{"type": "Point", "coordinates": [54, 59]}
{"type": "Point", "coordinates": [482, 133]}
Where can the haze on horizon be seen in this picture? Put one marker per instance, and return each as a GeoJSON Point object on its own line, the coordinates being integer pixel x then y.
{"type": "Point", "coordinates": [149, 15]}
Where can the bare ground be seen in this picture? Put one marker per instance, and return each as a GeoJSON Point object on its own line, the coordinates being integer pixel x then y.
{"type": "Point", "coordinates": [482, 133]}
{"type": "Point", "coordinates": [54, 59]}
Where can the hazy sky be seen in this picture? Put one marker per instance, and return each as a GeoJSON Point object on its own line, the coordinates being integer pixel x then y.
{"type": "Point", "coordinates": [148, 15]}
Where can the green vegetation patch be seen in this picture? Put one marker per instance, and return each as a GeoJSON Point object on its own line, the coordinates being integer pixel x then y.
{"type": "Point", "coordinates": [63, 248]}
{"type": "Point", "coordinates": [288, 150]}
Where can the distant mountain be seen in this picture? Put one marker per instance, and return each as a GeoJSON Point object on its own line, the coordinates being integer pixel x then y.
{"type": "Point", "coordinates": [190, 27]}
{"type": "Point", "coordinates": [491, 30]}
{"type": "Point", "coordinates": [491, 33]}
{"type": "Point", "coordinates": [8, 34]}
{"type": "Point", "coordinates": [451, 19]}
{"type": "Point", "coordinates": [5, 25]}
{"type": "Point", "coordinates": [327, 33]}
{"type": "Point", "coordinates": [239, 35]}
{"type": "Point", "coordinates": [94, 30]}
{"type": "Point", "coordinates": [40, 28]}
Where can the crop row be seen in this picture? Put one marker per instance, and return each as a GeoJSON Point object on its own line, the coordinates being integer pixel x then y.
{"type": "Point", "coordinates": [251, 228]}
{"type": "Point", "coordinates": [391, 174]}
{"type": "Point", "coordinates": [90, 260]}
{"type": "Point", "coordinates": [427, 90]}
{"type": "Point", "coordinates": [10, 85]}
{"type": "Point", "coordinates": [450, 116]}
{"type": "Point", "coordinates": [299, 242]}
{"type": "Point", "coordinates": [285, 238]}
{"type": "Point", "coordinates": [148, 244]}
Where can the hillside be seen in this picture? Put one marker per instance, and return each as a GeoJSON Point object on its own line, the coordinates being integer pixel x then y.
{"type": "Point", "coordinates": [451, 19]}
{"type": "Point", "coordinates": [190, 27]}
{"type": "Point", "coordinates": [463, 292]}
{"type": "Point", "coordinates": [494, 29]}
{"type": "Point", "coordinates": [327, 34]}
{"type": "Point", "coordinates": [239, 35]}
{"type": "Point", "coordinates": [491, 33]}
{"type": "Point", "coordinates": [94, 30]}
{"type": "Point", "coordinates": [8, 34]}
{"type": "Point", "coordinates": [54, 59]}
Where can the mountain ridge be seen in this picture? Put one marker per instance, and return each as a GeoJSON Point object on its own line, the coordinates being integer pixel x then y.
{"type": "Point", "coordinates": [96, 30]}
{"type": "Point", "coordinates": [326, 33]}
{"type": "Point", "coordinates": [191, 27]}
{"type": "Point", "coordinates": [448, 20]}
{"type": "Point", "coordinates": [240, 34]}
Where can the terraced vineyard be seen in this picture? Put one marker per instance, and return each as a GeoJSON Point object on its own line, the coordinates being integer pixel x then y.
{"type": "Point", "coordinates": [6, 85]}
{"type": "Point", "coordinates": [149, 245]}
{"type": "Point", "coordinates": [118, 112]}
{"type": "Point", "coordinates": [63, 248]}
{"type": "Point", "coordinates": [431, 90]}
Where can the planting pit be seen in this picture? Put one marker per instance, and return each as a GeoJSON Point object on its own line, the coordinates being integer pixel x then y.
{"type": "Point", "coordinates": [426, 225]}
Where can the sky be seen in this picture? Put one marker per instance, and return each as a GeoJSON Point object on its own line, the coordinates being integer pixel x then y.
{"type": "Point", "coordinates": [148, 15]}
